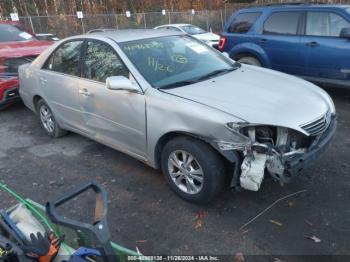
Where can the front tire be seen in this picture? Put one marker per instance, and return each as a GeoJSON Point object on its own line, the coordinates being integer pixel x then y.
{"type": "Point", "coordinates": [250, 61]}
{"type": "Point", "coordinates": [193, 169]}
{"type": "Point", "coordinates": [48, 120]}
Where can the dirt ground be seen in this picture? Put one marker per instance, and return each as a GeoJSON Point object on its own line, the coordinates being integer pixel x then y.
{"type": "Point", "coordinates": [143, 212]}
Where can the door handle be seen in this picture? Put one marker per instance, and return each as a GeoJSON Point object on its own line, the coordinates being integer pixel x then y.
{"type": "Point", "coordinates": [262, 41]}
{"type": "Point", "coordinates": [312, 44]}
{"type": "Point", "coordinates": [84, 92]}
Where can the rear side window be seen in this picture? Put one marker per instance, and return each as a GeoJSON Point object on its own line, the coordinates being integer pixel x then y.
{"type": "Point", "coordinates": [65, 59]}
{"type": "Point", "coordinates": [243, 22]}
{"type": "Point", "coordinates": [325, 24]}
{"type": "Point", "coordinates": [282, 23]}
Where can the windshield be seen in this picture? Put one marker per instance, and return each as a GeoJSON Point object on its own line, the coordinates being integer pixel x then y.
{"type": "Point", "coordinates": [192, 30]}
{"type": "Point", "coordinates": [174, 61]}
{"type": "Point", "coordinates": [10, 33]}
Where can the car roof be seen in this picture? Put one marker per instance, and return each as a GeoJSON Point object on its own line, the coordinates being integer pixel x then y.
{"type": "Point", "coordinates": [174, 25]}
{"type": "Point", "coordinates": [295, 6]}
{"type": "Point", "coordinates": [120, 36]}
{"type": "Point", "coordinates": [100, 30]}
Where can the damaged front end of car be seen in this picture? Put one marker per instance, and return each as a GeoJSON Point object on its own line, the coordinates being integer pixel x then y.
{"type": "Point", "coordinates": [278, 151]}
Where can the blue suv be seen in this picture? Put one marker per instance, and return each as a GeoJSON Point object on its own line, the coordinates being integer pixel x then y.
{"type": "Point", "coordinates": [310, 41]}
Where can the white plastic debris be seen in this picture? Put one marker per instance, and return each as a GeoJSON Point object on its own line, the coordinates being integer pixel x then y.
{"type": "Point", "coordinates": [315, 239]}
{"type": "Point", "coordinates": [253, 169]}
{"type": "Point", "coordinates": [26, 222]}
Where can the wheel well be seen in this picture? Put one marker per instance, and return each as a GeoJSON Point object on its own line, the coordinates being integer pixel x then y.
{"type": "Point", "coordinates": [162, 142]}
{"type": "Point", "coordinates": [36, 99]}
{"type": "Point", "coordinates": [246, 54]}
{"type": "Point", "coordinates": [230, 168]}
{"type": "Point", "coordinates": [169, 136]}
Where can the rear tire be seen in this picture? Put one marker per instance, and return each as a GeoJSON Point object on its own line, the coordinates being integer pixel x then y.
{"type": "Point", "coordinates": [249, 60]}
{"type": "Point", "coordinates": [48, 120]}
{"type": "Point", "coordinates": [193, 169]}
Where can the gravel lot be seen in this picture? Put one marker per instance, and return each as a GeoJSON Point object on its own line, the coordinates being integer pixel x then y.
{"type": "Point", "coordinates": [145, 213]}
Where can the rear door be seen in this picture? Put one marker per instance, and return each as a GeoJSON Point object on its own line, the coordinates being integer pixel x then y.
{"type": "Point", "coordinates": [281, 41]}
{"type": "Point", "coordinates": [326, 54]}
{"type": "Point", "coordinates": [60, 80]}
{"type": "Point", "coordinates": [237, 30]}
{"type": "Point", "coordinates": [114, 117]}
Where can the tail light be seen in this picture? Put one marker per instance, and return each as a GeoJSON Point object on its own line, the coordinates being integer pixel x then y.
{"type": "Point", "coordinates": [222, 43]}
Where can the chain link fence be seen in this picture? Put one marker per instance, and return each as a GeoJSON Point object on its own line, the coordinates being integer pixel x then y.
{"type": "Point", "coordinates": [67, 25]}
{"type": "Point", "coordinates": [211, 20]}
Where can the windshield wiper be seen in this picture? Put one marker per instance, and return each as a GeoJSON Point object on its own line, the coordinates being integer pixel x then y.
{"type": "Point", "coordinates": [202, 78]}
{"type": "Point", "coordinates": [216, 73]}
{"type": "Point", "coordinates": [178, 84]}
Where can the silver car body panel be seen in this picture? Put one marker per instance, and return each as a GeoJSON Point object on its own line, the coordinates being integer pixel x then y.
{"type": "Point", "coordinates": [134, 123]}
{"type": "Point", "coordinates": [286, 101]}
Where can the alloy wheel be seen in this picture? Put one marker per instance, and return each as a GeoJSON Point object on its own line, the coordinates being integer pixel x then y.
{"type": "Point", "coordinates": [47, 119]}
{"type": "Point", "coordinates": [185, 172]}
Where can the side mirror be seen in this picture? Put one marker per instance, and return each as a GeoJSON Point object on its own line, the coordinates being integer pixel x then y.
{"type": "Point", "coordinates": [121, 83]}
{"type": "Point", "coordinates": [345, 33]}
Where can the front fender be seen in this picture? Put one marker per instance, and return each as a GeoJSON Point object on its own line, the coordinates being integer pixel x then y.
{"type": "Point", "coordinates": [253, 49]}
{"type": "Point", "coordinates": [183, 117]}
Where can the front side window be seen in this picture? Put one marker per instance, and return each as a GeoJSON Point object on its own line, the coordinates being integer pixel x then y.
{"type": "Point", "coordinates": [174, 61]}
{"type": "Point", "coordinates": [101, 62]}
{"type": "Point", "coordinates": [243, 22]}
{"type": "Point", "coordinates": [65, 59]}
{"type": "Point", "coordinates": [282, 23]}
{"type": "Point", "coordinates": [325, 24]}
{"type": "Point", "coordinates": [9, 33]}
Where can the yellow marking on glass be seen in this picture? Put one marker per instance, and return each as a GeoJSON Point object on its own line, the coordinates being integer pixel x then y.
{"type": "Point", "coordinates": [179, 59]}
{"type": "Point", "coordinates": [154, 63]}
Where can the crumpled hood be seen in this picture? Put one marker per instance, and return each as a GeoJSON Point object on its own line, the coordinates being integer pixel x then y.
{"type": "Point", "coordinates": [23, 48]}
{"type": "Point", "coordinates": [208, 36]}
{"type": "Point", "coordinates": [260, 96]}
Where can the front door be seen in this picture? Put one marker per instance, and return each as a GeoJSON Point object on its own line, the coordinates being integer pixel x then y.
{"type": "Point", "coordinates": [327, 55]}
{"type": "Point", "coordinates": [114, 117]}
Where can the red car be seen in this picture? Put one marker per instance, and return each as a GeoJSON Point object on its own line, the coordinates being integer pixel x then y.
{"type": "Point", "coordinates": [17, 47]}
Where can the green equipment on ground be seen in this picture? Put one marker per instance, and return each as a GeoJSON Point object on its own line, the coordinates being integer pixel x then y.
{"type": "Point", "coordinates": [31, 232]}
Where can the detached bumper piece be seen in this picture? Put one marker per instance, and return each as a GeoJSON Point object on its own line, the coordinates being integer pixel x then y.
{"type": "Point", "coordinates": [253, 169]}
{"type": "Point", "coordinates": [10, 97]}
{"type": "Point", "coordinates": [294, 166]}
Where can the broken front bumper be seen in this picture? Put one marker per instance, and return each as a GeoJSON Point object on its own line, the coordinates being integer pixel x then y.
{"type": "Point", "coordinates": [297, 164]}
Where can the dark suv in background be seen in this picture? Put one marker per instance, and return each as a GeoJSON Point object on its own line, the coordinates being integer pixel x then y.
{"type": "Point", "coordinates": [310, 41]}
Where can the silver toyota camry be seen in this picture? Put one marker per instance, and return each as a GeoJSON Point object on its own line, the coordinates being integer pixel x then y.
{"type": "Point", "coordinates": [178, 105]}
